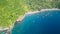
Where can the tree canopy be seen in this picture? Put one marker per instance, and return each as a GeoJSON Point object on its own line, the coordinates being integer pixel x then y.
{"type": "Point", "coordinates": [10, 10]}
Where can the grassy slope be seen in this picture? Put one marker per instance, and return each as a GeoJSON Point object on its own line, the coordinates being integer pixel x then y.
{"type": "Point", "coordinates": [10, 10]}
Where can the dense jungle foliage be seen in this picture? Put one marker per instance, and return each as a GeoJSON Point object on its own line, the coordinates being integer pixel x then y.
{"type": "Point", "coordinates": [10, 10]}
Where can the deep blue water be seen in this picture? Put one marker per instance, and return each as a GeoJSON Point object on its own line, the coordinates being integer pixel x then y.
{"type": "Point", "coordinates": [47, 22]}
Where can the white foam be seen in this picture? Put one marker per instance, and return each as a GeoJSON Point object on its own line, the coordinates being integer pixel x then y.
{"type": "Point", "coordinates": [49, 9]}
{"type": "Point", "coordinates": [1, 29]}
{"type": "Point", "coordinates": [43, 10]}
{"type": "Point", "coordinates": [32, 12]}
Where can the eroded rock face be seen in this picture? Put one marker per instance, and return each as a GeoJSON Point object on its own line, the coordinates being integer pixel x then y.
{"type": "Point", "coordinates": [46, 22]}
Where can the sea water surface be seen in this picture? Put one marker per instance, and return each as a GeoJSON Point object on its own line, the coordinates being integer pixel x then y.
{"type": "Point", "coordinates": [46, 22]}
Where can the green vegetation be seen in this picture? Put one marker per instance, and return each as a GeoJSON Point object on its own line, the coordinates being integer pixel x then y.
{"type": "Point", "coordinates": [10, 10]}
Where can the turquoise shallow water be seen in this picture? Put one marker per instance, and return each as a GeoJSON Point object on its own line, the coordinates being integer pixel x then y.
{"type": "Point", "coordinates": [47, 22]}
